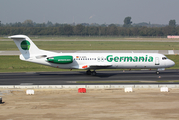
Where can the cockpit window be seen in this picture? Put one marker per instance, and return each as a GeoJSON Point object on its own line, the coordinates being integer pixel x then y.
{"type": "Point", "coordinates": [164, 58]}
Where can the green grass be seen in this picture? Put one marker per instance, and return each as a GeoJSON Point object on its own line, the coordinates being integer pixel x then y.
{"type": "Point", "coordinates": [96, 45]}
{"type": "Point", "coordinates": [175, 58]}
{"type": "Point", "coordinates": [14, 64]}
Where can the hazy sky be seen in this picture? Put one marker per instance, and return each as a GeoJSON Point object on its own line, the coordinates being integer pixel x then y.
{"type": "Point", "coordinates": [89, 11]}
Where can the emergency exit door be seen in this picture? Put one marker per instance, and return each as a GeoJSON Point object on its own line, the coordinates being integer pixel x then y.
{"type": "Point", "coordinates": [157, 62]}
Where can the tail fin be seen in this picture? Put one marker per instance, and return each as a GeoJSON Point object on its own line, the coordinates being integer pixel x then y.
{"type": "Point", "coordinates": [26, 46]}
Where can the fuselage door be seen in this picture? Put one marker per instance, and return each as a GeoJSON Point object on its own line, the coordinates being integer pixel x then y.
{"type": "Point", "coordinates": [157, 62]}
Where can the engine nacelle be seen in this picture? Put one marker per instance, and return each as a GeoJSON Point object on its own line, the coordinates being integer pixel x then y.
{"type": "Point", "coordinates": [60, 59]}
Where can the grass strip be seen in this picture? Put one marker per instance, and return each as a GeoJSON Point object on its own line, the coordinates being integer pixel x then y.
{"type": "Point", "coordinates": [96, 45]}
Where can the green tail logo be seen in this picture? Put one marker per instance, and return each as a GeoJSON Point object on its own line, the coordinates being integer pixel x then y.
{"type": "Point", "coordinates": [25, 45]}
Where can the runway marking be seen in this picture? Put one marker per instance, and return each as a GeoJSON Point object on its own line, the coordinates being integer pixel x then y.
{"type": "Point", "coordinates": [148, 81]}
{"type": "Point", "coordinates": [70, 81]}
{"type": "Point", "coordinates": [30, 72]}
{"type": "Point", "coordinates": [26, 84]}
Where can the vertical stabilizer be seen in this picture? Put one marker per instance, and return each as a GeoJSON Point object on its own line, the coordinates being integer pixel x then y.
{"type": "Point", "coordinates": [26, 46]}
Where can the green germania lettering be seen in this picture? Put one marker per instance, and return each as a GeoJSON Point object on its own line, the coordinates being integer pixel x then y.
{"type": "Point", "coordinates": [127, 59]}
{"type": "Point", "coordinates": [141, 59]}
{"type": "Point", "coordinates": [150, 59]}
{"type": "Point", "coordinates": [109, 58]}
{"type": "Point", "coordinates": [146, 58]}
{"type": "Point", "coordinates": [116, 59]}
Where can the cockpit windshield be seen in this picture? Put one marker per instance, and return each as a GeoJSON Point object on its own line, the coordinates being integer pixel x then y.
{"type": "Point", "coordinates": [164, 58]}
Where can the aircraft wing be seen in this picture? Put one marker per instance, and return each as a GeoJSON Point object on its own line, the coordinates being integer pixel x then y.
{"type": "Point", "coordinates": [93, 66]}
{"type": "Point", "coordinates": [98, 66]}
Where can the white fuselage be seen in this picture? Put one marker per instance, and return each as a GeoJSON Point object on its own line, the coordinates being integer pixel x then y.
{"type": "Point", "coordinates": [109, 61]}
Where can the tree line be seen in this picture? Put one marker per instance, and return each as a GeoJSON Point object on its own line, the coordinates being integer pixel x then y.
{"type": "Point", "coordinates": [81, 30]}
{"type": "Point", "coordinates": [30, 28]}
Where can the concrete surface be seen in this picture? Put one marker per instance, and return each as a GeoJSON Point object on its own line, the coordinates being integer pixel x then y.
{"type": "Point", "coordinates": [165, 52]}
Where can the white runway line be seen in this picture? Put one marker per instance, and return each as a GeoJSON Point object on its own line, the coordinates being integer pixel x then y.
{"type": "Point", "coordinates": [26, 84]}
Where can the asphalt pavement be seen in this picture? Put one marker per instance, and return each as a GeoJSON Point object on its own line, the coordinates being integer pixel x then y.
{"type": "Point", "coordinates": [74, 77]}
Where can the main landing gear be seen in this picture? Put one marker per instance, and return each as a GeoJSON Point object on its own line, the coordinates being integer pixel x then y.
{"type": "Point", "coordinates": [89, 72]}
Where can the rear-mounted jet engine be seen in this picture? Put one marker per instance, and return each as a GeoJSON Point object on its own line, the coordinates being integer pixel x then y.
{"type": "Point", "coordinates": [60, 59]}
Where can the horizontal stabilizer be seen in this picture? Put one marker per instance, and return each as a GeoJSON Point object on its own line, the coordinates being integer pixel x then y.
{"type": "Point", "coordinates": [18, 37]}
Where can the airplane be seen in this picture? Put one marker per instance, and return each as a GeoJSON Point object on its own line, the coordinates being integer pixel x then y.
{"type": "Point", "coordinates": [90, 61]}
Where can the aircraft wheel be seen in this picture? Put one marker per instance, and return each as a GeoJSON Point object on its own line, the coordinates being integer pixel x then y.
{"type": "Point", "coordinates": [93, 73]}
{"type": "Point", "coordinates": [88, 72]}
{"type": "Point", "coordinates": [157, 72]}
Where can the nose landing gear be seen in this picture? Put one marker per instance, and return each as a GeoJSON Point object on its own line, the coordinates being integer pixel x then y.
{"type": "Point", "coordinates": [157, 72]}
{"type": "Point", "coordinates": [159, 69]}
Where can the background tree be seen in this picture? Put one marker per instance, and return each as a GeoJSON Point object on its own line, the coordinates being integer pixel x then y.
{"type": "Point", "coordinates": [28, 23]}
{"type": "Point", "coordinates": [172, 23]}
{"type": "Point", "coordinates": [127, 22]}
{"type": "Point", "coordinates": [49, 24]}
{"type": "Point", "coordinates": [68, 30]}
{"type": "Point", "coordinates": [112, 30]}
{"type": "Point", "coordinates": [92, 30]}
{"type": "Point", "coordinates": [28, 27]}
{"type": "Point", "coordinates": [79, 29]}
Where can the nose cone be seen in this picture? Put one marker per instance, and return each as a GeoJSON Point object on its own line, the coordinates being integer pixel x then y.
{"type": "Point", "coordinates": [170, 63]}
